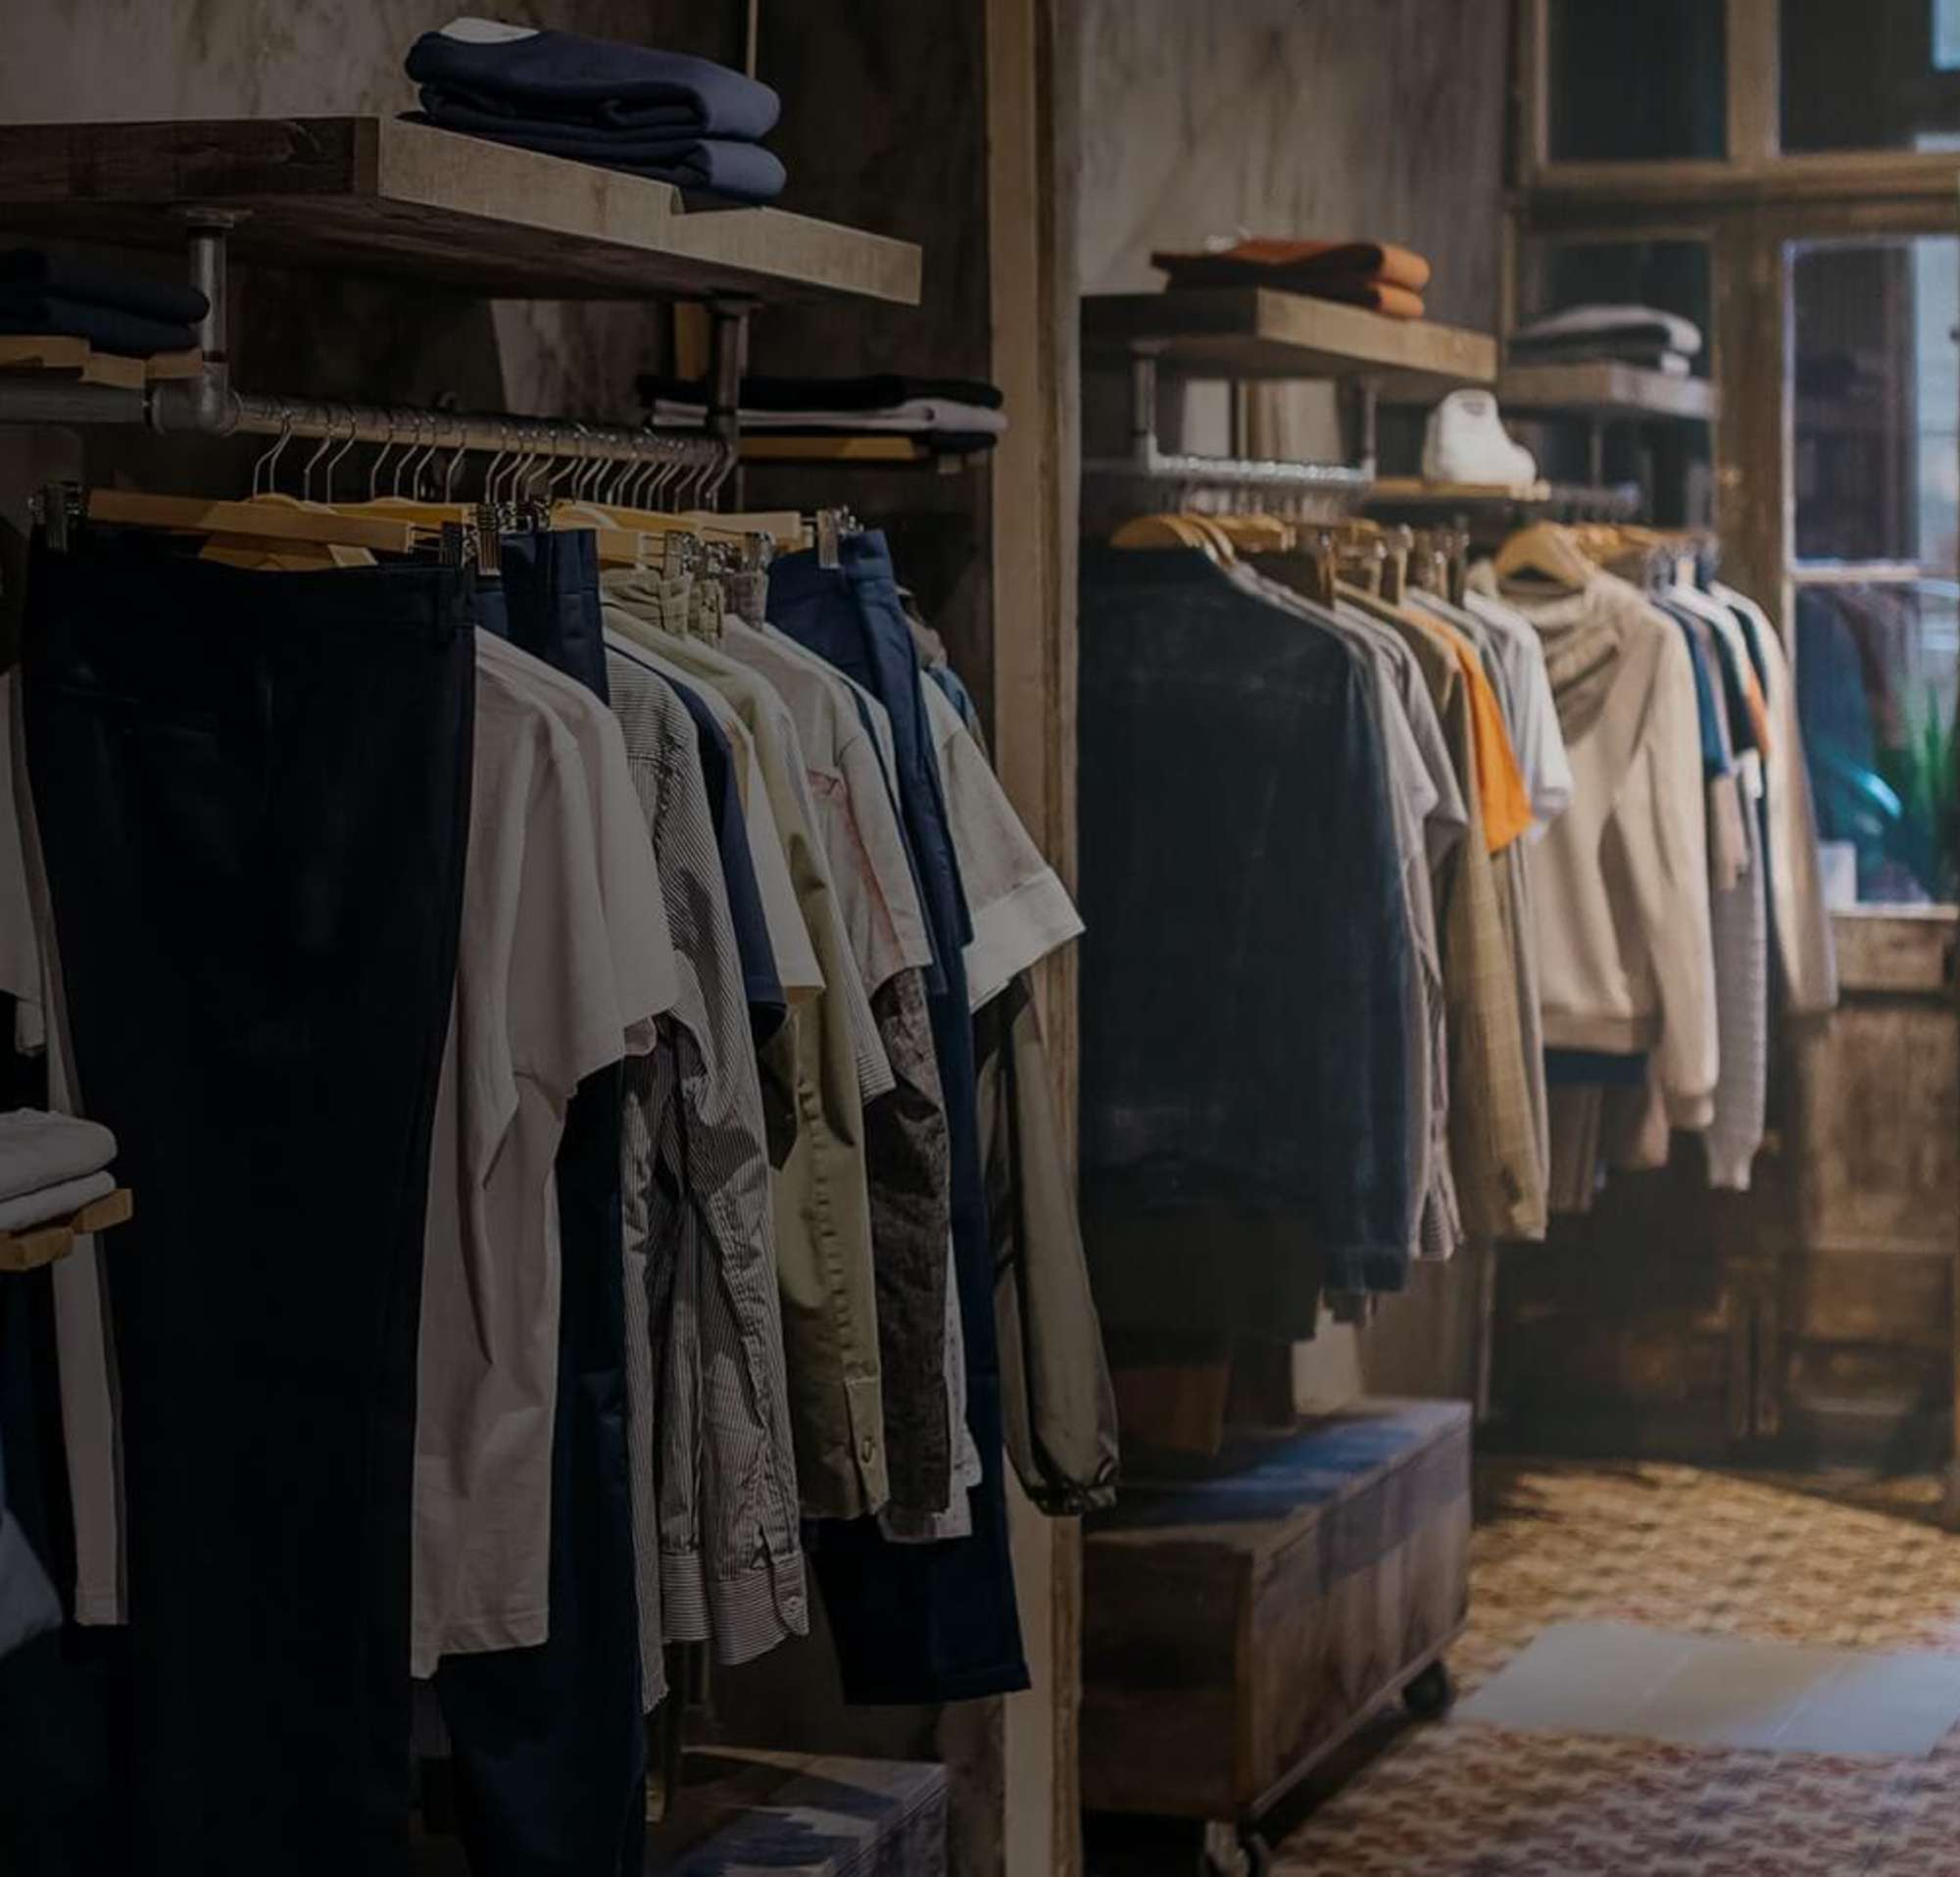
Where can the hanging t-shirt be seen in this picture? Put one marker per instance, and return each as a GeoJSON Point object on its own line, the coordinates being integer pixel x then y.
{"type": "Point", "coordinates": [1020, 909]}
{"type": "Point", "coordinates": [563, 965]}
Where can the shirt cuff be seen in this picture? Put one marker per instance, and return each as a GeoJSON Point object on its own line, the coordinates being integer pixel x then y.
{"type": "Point", "coordinates": [1018, 930]}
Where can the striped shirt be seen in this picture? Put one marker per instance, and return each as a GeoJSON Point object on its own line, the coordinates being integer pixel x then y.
{"type": "Point", "coordinates": [713, 1470]}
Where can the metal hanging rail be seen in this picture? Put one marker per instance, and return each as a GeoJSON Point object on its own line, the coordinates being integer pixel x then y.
{"type": "Point", "coordinates": [1146, 462]}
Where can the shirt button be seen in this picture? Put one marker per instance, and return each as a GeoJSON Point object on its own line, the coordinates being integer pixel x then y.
{"type": "Point", "coordinates": [867, 1449]}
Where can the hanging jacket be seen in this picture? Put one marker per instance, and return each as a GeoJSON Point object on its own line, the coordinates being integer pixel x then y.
{"type": "Point", "coordinates": [1625, 939]}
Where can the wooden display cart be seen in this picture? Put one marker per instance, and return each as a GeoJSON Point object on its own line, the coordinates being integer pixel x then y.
{"type": "Point", "coordinates": [1241, 1624]}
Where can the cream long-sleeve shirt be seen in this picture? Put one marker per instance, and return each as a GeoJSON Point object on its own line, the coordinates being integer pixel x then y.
{"type": "Point", "coordinates": [1626, 960]}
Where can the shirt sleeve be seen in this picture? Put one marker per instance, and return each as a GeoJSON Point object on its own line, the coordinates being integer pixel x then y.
{"type": "Point", "coordinates": [563, 1012]}
{"type": "Point", "coordinates": [646, 972]}
{"type": "Point", "coordinates": [1662, 824]}
{"type": "Point", "coordinates": [1020, 909]}
{"type": "Point", "coordinates": [789, 936]}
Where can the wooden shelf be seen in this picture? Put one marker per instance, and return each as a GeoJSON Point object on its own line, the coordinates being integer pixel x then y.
{"type": "Point", "coordinates": [1411, 498]}
{"type": "Point", "coordinates": [1252, 332]}
{"type": "Point", "coordinates": [382, 196]}
{"type": "Point", "coordinates": [38, 1245]}
{"type": "Point", "coordinates": [64, 356]}
{"type": "Point", "coordinates": [869, 451]}
{"type": "Point", "coordinates": [1604, 389]}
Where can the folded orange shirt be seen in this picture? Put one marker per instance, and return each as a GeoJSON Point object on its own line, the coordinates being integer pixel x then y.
{"type": "Point", "coordinates": [1296, 264]}
{"type": "Point", "coordinates": [1378, 296]}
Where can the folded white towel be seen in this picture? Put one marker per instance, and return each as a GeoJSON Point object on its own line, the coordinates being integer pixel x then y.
{"type": "Point", "coordinates": [39, 1150]}
{"type": "Point", "coordinates": [62, 1200]}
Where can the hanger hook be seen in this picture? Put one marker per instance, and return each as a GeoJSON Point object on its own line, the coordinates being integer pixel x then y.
{"type": "Point", "coordinates": [456, 457]}
{"type": "Point", "coordinates": [380, 458]}
{"type": "Point", "coordinates": [333, 462]}
{"type": "Point", "coordinates": [320, 449]}
{"type": "Point", "coordinates": [268, 459]}
{"type": "Point", "coordinates": [491, 468]}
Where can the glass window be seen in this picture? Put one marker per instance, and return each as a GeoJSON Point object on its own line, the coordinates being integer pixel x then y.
{"type": "Point", "coordinates": [1637, 82]}
{"type": "Point", "coordinates": [1876, 473]}
{"type": "Point", "coordinates": [1881, 74]}
{"type": "Point", "coordinates": [1877, 398]}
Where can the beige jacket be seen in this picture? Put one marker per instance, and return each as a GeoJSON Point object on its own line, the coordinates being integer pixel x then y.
{"type": "Point", "coordinates": [1627, 958]}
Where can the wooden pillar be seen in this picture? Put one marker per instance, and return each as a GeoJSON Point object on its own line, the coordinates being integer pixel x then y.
{"type": "Point", "coordinates": [1031, 149]}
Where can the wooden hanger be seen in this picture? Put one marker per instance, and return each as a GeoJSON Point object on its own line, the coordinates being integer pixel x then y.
{"type": "Point", "coordinates": [260, 518]}
{"type": "Point", "coordinates": [1168, 532]}
{"type": "Point", "coordinates": [1545, 552]}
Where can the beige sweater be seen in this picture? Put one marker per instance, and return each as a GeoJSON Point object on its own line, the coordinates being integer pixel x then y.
{"type": "Point", "coordinates": [1625, 956]}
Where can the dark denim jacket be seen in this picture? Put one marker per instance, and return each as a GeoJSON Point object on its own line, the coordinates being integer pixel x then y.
{"type": "Point", "coordinates": [1244, 1030]}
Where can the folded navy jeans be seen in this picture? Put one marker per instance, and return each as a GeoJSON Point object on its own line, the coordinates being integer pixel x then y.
{"type": "Point", "coordinates": [600, 84]}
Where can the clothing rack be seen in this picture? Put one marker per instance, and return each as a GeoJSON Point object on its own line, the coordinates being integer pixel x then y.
{"type": "Point", "coordinates": [207, 403]}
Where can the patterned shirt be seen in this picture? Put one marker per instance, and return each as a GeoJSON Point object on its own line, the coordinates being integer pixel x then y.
{"type": "Point", "coordinates": [720, 1550]}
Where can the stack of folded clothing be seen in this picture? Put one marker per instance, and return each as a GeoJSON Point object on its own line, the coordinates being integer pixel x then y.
{"type": "Point", "coordinates": [1623, 334]}
{"type": "Point", "coordinates": [951, 416]}
{"type": "Point", "coordinates": [665, 114]}
{"type": "Point", "coordinates": [112, 310]}
{"type": "Point", "coordinates": [51, 1166]}
{"type": "Point", "coordinates": [1376, 275]}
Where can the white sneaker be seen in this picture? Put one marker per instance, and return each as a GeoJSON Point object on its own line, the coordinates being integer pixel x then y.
{"type": "Point", "coordinates": [1466, 442]}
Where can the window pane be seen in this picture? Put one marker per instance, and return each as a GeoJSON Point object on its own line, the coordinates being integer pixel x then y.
{"type": "Point", "coordinates": [1881, 74]}
{"type": "Point", "coordinates": [1876, 668]}
{"type": "Point", "coordinates": [1637, 82]}
{"type": "Point", "coordinates": [1876, 399]}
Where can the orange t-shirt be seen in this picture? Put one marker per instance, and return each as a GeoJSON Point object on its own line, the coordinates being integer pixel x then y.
{"type": "Point", "coordinates": [1500, 781]}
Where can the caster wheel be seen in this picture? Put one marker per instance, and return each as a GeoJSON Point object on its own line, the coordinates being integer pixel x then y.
{"type": "Point", "coordinates": [1235, 1853]}
{"type": "Point", "coordinates": [1431, 1695]}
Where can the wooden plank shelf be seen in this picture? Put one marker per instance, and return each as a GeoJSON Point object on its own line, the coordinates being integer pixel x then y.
{"type": "Point", "coordinates": [64, 356]}
{"type": "Point", "coordinates": [38, 1245]}
{"type": "Point", "coordinates": [377, 195]}
{"type": "Point", "coordinates": [1253, 332]}
{"type": "Point", "coordinates": [869, 451]}
{"type": "Point", "coordinates": [1602, 388]}
{"type": "Point", "coordinates": [1412, 497]}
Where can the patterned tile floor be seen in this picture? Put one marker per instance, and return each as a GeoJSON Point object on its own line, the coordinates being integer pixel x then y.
{"type": "Point", "coordinates": [1674, 1547]}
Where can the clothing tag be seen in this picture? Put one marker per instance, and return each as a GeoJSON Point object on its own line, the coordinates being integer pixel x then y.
{"type": "Point", "coordinates": [485, 32]}
{"type": "Point", "coordinates": [828, 556]}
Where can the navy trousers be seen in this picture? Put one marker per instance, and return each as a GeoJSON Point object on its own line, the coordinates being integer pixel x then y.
{"type": "Point", "coordinates": [549, 1745]}
{"type": "Point", "coordinates": [918, 1623]}
{"type": "Point", "coordinates": [252, 794]}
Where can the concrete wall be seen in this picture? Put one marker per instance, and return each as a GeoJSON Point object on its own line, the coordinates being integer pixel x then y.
{"type": "Point", "coordinates": [1382, 119]}
{"type": "Point", "coordinates": [1315, 118]}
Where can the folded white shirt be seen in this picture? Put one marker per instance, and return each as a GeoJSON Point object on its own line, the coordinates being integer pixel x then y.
{"type": "Point", "coordinates": [915, 416]}
{"type": "Point", "coordinates": [39, 1150]}
{"type": "Point", "coordinates": [62, 1200]}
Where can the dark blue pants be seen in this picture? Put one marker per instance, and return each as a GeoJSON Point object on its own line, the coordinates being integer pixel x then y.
{"type": "Point", "coordinates": [253, 793]}
{"type": "Point", "coordinates": [929, 1622]}
{"type": "Point", "coordinates": [549, 1744]}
